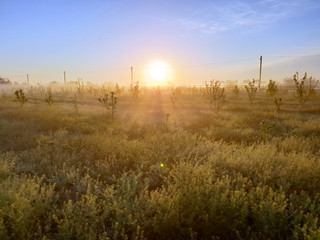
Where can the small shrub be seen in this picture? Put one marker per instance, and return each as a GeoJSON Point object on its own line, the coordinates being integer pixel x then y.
{"type": "Point", "coordinates": [80, 87]}
{"type": "Point", "coordinates": [49, 98]}
{"type": "Point", "coordinates": [251, 90]}
{"type": "Point", "coordinates": [272, 88]}
{"type": "Point", "coordinates": [20, 97]}
{"type": "Point", "coordinates": [302, 93]}
{"type": "Point", "coordinates": [135, 90]}
{"type": "Point", "coordinates": [5, 81]}
{"type": "Point", "coordinates": [117, 89]}
{"type": "Point", "coordinates": [215, 94]}
{"type": "Point", "coordinates": [278, 103]}
{"type": "Point", "coordinates": [109, 104]}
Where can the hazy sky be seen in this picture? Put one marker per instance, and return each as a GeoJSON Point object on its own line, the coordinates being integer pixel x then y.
{"type": "Point", "coordinates": [99, 40]}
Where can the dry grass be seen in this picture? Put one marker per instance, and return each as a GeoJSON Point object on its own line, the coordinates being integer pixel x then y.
{"type": "Point", "coordinates": [248, 173]}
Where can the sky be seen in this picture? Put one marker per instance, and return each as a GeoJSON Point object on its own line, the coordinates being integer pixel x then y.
{"type": "Point", "coordinates": [201, 40]}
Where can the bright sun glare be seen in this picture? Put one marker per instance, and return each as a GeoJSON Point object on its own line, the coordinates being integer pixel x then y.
{"type": "Point", "coordinates": [158, 73]}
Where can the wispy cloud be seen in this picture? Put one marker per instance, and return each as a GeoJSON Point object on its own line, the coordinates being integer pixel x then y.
{"type": "Point", "coordinates": [213, 19]}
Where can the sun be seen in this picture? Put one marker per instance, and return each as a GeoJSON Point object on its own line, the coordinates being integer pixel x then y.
{"type": "Point", "coordinates": [158, 72]}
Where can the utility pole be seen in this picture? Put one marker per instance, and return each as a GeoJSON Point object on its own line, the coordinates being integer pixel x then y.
{"type": "Point", "coordinates": [260, 71]}
{"type": "Point", "coordinates": [131, 75]}
{"type": "Point", "coordinates": [64, 77]}
{"type": "Point", "coordinates": [28, 82]}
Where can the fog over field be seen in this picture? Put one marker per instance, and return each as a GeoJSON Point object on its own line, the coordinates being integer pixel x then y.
{"type": "Point", "coordinates": [159, 119]}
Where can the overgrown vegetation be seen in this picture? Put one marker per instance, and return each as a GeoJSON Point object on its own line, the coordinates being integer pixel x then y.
{"type": "Point", "coordinates": [248, 174]}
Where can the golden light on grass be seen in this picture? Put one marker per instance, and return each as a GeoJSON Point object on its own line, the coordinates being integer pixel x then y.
{"type": "Point", "coordinates": [158, 73]}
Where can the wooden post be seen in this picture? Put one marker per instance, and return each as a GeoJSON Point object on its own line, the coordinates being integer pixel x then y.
{"type": "Point", "coordinates": [260, 71]}
{"type": "Point", "coordinates": [64, 77]}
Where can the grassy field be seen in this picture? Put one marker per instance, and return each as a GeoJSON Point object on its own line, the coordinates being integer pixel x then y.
{"type": "Point", "coordinates": [158, 171]}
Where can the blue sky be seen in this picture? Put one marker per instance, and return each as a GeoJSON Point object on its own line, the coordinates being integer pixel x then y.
{"type": "Point", "coordinates": [201, 40]}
